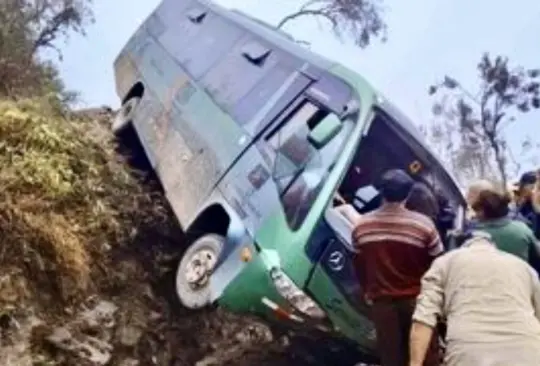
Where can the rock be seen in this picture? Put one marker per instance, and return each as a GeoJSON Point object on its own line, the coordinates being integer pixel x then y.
{"type": "Point", "coordinates": [129, 362]}
{"type": "Point", "coordinates": [208, 361]}
{"type": "Point", "coordinates": [148, 292]}
{"type": "Point", "coordinates": [101, 315]}
{"type": "Point", "coordinates": [13, 288]}
{"type": "Point", "coordinates": [88, 348]}
{"type": "Point", "coordinates": [15, 348]}
{"type": "Point", "coordinates": [129, 335]}
{"type": "Point", "coordinates": [106, 247]}
{"type": "Point", "coordinates": [80, 336]}
{"type": "Point", "coordinates": [127, 269]}
{"type": "Point", "coordinates": [254, 334]}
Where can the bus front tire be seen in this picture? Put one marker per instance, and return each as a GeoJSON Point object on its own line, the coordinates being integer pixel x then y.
{"type": "Point", "coordinates": [195, 270]}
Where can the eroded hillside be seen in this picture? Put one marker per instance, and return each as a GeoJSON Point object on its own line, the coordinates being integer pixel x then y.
{"type": "Point", "coordinates": [87, 255]}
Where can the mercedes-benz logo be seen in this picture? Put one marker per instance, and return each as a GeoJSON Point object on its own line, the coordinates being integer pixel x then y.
{"type": "Point", "coordinates": [336, 261]}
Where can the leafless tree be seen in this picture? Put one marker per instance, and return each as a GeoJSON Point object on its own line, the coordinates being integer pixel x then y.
{"type": "Point", "coordinates": [480, 119]}
{"type": "Point", "coordinates": [360, 20]}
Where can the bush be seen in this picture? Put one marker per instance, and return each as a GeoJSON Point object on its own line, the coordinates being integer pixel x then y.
{"type": "Point", "coordinates": [66, 196]}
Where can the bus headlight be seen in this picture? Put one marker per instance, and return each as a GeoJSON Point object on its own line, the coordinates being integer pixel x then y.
{"type": "Point", "coordinates": [295, 296]}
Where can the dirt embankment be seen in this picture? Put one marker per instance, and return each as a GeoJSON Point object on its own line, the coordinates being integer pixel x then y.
{"type": "Point", "coordinates": [87, 254]}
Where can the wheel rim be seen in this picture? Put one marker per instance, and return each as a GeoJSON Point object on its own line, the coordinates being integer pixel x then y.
{"type": "Point", "coordinates": [195, 271]}
{"type": "Point", "coordinates": [200, 265]}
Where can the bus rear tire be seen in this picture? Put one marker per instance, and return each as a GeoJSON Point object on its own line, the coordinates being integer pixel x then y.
{"type": "Point", "coordinates": [195, 270]}
{"type": "Point", "coordinates": [125, 115]}
{"type": "Point", "coordinates": [127, 140]}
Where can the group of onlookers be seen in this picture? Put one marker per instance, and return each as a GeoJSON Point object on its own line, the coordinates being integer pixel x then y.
{"type": "Point", "coordinates": [483, 297]}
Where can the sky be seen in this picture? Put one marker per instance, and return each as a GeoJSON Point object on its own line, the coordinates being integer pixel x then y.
{"type": "Point", "coordinates": [427, 39]}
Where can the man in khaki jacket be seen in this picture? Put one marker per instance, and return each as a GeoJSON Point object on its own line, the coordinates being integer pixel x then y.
{"type": "Point", "coordinates": [491, 303]}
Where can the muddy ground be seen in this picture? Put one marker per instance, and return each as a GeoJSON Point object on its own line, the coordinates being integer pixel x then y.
{"type": "Point", "coordinates": [133, 319]}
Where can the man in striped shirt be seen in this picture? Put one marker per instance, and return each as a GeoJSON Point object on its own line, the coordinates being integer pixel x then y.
{"type": "Point", "coordinates": [395, 247]}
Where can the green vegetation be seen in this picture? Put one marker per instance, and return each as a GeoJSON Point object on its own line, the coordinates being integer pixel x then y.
{"type": "Point", "coordinates": [65, 194]}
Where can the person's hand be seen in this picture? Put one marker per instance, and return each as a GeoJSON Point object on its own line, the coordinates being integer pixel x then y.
{"type": "Point", "coordinates": [339, 199]}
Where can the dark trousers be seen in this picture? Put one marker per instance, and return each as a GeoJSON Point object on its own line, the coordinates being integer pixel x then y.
{"type": "Point", "coordinates": [393, 319]}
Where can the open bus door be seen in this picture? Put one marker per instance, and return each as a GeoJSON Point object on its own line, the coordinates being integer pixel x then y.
{"type": "Point", "coordinates": [334, 282]}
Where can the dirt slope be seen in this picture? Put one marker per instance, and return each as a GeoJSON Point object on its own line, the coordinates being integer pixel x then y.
{"type": "Point", "coordinates": [87, 254]}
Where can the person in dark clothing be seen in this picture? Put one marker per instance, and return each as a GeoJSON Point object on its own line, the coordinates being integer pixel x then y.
{"type": "Point", "coordinates": [421, 199]}
{"type": "Point", "coordinates": [434, 204]}
{"type": "Point", "coordinates": [446, 216]}
{"type": "Point", "coordinates": [527, 197]}
{"type": "Point", "coordinates": [524, 202]}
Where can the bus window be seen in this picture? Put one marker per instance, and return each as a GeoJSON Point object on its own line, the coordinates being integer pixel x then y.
{"type": "Point", "coordinates": [185, 32]}
{"type": "Point", "coordinates": [215, 38]}
{"type": "Point", "coordinates": [262, 93]}
{"type": "Point", "coordinates": [299, 169]}
{"type": "Point", "coordinates": [155, 26]}
{"type": "Point", "coordinates": [234, 76]}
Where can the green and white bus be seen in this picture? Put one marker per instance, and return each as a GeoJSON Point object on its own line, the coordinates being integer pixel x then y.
{"type": "Point", "coordinates": [252, 137]}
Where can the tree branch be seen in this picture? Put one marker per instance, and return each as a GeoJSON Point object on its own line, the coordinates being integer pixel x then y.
{"type": "Point", "coordinates": [491, 135]}
{"type": "Point", "coordinates": [49, 32]}
{"type": "Point", "coordinates": [306, 12]}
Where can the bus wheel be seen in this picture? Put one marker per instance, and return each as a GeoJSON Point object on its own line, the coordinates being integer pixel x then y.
{"type": "Point", "coordinates": [195, 269]}
{"type": "Point", "coordinates": [125, 115]}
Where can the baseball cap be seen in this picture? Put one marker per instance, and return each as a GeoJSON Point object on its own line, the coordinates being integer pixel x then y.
{"type": "Point", "coordinates": [527, 178]}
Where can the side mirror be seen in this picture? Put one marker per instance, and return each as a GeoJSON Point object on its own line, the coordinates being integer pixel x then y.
{"type": "Point", "coordinates": [325, 131]}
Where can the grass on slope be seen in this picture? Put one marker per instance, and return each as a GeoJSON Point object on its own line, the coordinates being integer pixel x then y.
{"type": "Point", "coordinates": [65, 198]}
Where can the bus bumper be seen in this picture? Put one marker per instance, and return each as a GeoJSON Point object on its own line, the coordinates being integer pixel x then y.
{"type": "Point", "coordinates": [254, 292]}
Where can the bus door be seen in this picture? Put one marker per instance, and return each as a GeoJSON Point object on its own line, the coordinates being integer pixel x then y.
{"type": "Point", "coordinates": [334, 283]}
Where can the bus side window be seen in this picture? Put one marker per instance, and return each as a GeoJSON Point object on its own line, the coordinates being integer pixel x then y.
{"type": "Point", "coordinates": [185, 32]}
{"type": "Point", "coordinates": [215, 38]}
{"type": "Point", "coordinates": [234, 75]}
{"type": "Point", "coordinates": [299, 169]}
